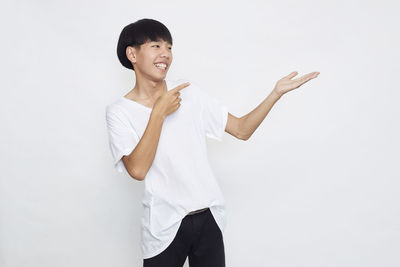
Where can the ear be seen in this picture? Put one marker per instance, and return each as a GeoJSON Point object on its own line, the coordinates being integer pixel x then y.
{"type": "Point", "coordinates": [131, 54]}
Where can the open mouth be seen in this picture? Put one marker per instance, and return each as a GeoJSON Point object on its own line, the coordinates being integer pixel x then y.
{"type": "Point", "coordinates": [161, 66]}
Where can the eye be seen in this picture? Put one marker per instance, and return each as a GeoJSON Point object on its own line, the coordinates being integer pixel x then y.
{"type": "Point", "coordinates": [155, 45]}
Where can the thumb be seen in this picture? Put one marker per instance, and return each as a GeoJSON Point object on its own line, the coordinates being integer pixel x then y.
{"type": "Point", "coordinates": [291, 75]}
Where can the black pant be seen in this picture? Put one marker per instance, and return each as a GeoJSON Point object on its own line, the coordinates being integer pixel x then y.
{"type": "Point", "coordinates": [198, 237]}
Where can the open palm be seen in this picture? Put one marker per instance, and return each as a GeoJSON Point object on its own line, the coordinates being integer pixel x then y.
{"type": "Point", "coordinates": [285, 84]}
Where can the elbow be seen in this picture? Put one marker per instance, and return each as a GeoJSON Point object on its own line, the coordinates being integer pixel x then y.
{"type": "Point", "coordinates": [240, 130]}
{"type": "Point", "coordinates": [132, 171]}
{"type": "Point", "coordinates": [136, 174]}
{"type": "Point", "coordinates": [244, 137]}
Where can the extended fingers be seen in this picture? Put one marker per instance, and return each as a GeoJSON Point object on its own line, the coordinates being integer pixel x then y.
{"type": "Point", "coordinates": [291, 75]}
{"type": "Point", "coordinates": [307, 77]}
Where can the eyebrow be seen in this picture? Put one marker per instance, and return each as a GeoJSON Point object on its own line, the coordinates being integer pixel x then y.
{"type": "Point", "coordinates": [160, 42]}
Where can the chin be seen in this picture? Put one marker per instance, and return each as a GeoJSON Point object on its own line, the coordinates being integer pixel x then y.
{"type": "Point", "coordinates": [159, 78]}
{"type": "Point", "coordinates": [162, 76]}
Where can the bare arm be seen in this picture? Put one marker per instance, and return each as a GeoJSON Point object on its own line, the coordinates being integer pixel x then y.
{"type": "Point", "coordinates": [141, 158]}
{"type": "Point", "coordinates": [250, 122]}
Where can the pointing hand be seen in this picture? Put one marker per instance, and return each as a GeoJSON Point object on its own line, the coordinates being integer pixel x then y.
{"type": "Point", "coordinates": [169, 102]}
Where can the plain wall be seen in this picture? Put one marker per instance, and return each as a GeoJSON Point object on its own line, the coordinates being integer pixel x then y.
{"type": "Point", "coordinates": [316, 185]}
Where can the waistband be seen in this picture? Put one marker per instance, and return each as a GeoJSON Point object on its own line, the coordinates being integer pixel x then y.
{"type": "Point", "coordinates": [197, 211]}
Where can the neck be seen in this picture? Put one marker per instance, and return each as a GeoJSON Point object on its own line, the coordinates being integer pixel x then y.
{"type": "Point", "coordinates": [148, 89]}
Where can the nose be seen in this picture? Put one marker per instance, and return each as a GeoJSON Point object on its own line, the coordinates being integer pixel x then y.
{"type": "Point", "coordinates": [166, 52]}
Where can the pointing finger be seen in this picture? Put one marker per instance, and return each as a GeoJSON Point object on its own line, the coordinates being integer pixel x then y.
{"type": "Point", "coordinates": [180, 87]}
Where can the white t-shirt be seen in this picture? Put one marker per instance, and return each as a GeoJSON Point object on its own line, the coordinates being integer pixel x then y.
{"type": "Point", "coordinates": [180, 179]}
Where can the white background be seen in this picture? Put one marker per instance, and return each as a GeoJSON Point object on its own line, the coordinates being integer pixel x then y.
{"type": "Point", "coordinates": [316, 185]}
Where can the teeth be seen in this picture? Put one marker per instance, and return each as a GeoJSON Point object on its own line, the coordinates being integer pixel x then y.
{"type": "Point", "coordinates": [161, 65]}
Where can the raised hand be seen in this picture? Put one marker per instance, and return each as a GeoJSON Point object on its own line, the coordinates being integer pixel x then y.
{"type": "Point", "coordinates": [169, 102]}
{"type": "Point", "coordinates": [285, 84]}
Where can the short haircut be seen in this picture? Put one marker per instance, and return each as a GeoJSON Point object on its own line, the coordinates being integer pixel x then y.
{"type": "Point", "coordinates": [138, 33]}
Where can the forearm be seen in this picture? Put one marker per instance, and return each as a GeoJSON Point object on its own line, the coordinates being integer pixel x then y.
{"type": "Point", "coordinates": [250, 122]}
{"type": "Point", "coordinates": [142, 157]}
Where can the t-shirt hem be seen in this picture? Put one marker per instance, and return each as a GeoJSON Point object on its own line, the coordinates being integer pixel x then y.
{"type": "Point", "coordinates": [162, 248]}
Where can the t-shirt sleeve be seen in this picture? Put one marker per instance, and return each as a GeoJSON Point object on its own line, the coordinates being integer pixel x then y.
{"type": "Point", "coordinates": [121, 136]}
{"type": "Point", "coordinates": [214, 116]}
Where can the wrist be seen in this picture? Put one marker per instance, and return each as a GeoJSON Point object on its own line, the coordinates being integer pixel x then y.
{"type": "Point", "coordinates": [274, 94]}
{"type": "Point", "coordinates": [157, 115]}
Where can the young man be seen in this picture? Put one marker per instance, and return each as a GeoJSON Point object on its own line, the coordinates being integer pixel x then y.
{"type": "Point", "coordinates": [157, 135]}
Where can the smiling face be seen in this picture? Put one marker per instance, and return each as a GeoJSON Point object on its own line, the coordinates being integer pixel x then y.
{"type": "Point", "coordinates": [152, 60]}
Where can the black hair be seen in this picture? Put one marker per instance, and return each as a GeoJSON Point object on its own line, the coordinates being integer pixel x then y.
{"type": "Point", "coordinates": [138, 33]}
